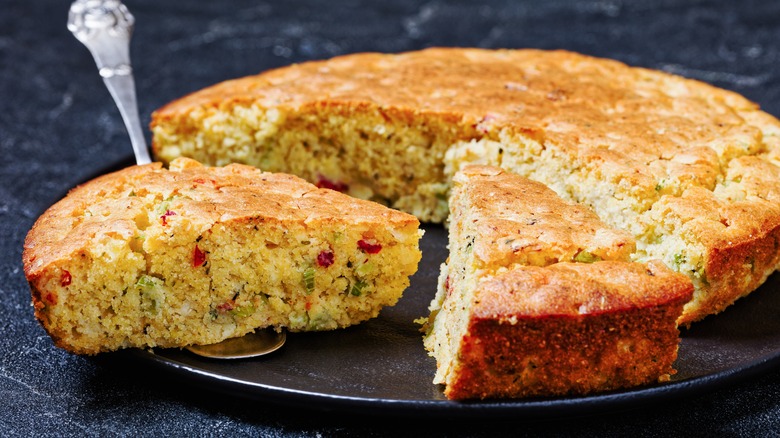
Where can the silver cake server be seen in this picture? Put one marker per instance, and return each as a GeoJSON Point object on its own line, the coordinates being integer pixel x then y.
{"type": "Point", "coordinates": [105, 27]}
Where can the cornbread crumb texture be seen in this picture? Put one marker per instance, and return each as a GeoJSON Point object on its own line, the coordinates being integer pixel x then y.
{"type": "Point", "coordinates": [645, 150]}
{"type": "Point", "coordinates": [150, 257]}
{"type": "Point", "coordinates": [576, 317]}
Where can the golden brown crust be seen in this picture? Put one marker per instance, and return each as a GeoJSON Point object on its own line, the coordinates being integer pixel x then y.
{"type": "Point", "coordinates": [640, 125]}
{"type": "Point", "coordinates": [571, 353]}
{"type": "Point", "coordinates": [570, 329]}
{"type": "Point", "coordinates": [578, 289]}
{"type": "Point", "coordinates": [741, 242]}
{"type": "Point", "coordinates": [519, 221]}
{"type": "Point", "coordinates": [570, 99]}
{"type": "Point", "coordinates": [635, 126]}
{"type": "Point", "coordinates": [224, 194]}
{"type": "Point", "coordinates": [57, 232]}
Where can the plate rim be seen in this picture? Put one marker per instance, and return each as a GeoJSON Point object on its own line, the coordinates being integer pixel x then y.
{"type": "Point", "coordinates": [537, 408]}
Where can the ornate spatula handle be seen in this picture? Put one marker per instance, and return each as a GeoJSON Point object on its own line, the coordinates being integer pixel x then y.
{"type": "Point", "coordinates": [105, 27]}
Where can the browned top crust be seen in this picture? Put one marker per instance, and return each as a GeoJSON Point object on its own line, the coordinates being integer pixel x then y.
{"type": "Point", "coordinates": [577, 289]}
{"type": "Point", "coordinates": [522, 221]}
{"type": "Point", "coordinates": [628, 116]}
{"type": "Point", "coordinates": [117, 204]}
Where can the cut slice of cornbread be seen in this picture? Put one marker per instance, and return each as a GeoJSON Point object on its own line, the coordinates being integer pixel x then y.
{"type": "Point", "coordinates": [569, 329]}
{"type": "Point", "coordinates": [147, 257]}
{"type": "Point", "coordinates": [646, 150]}
{"type": "Point", "coordinates": [539, 298]}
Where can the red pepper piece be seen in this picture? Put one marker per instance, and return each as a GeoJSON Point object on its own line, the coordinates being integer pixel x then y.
{"type": "Point", "coordinates": [167, 214]}
{"type": "Point", "coordinates": [204, 181]}
{"type": "Point", "coordinates": [198, 257]}
{"type": "Point", "coordinates": [65, 278]}
{"type": "Point", "coordinates": [325, 183]}
{"type": "Point", "coordinates": [226, 306]}
{"type": "Point", "coordinates": [325, 258]}
{"type": "Point", "coordinates": [370, 246]}
{"type": "Point", "coordinates": [484, 124]}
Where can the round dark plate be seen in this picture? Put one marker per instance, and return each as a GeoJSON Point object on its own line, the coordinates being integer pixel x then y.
{"type": "Point", "coordinates": [380, 367]}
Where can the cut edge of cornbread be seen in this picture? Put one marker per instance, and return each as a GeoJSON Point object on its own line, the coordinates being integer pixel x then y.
{"type": "Point", "coordinates": [567, 329]}
{"type": "Point", "coordinates": [575, 257]}
{"type": "Point", "coordinates": [149, 257]}
{"type": "Point", "coordinates": [367, 152]}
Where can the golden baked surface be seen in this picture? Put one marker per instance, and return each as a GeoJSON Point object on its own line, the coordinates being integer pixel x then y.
{"type": "Point", "coordinates": [574, 289]}
{"type": "Point", "coordinates": [646, 126]}
{"type": "Point", "coordinates": [690, 171]}
{"type": "Point", "coordinates": [522, 221]}
{"type": "Point", "coordinates": [570, 99]}
{"type": "Point", "coordinates": [563, 312]}
{"type": "Point", "coordinates": [148, 256]}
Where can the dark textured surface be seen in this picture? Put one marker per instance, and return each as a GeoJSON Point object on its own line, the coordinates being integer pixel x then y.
{"type": "Point", "coordinates": [58, 126]}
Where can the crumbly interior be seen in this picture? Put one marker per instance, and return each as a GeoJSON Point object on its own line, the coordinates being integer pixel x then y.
{"type": "Point", "coordinates": [449, 314]}
{"type": "Point", "coordinates": [165, 276]}
{"type": "Point", "coordinates": [367, 154]}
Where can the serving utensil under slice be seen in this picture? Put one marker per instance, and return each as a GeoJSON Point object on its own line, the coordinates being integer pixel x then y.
{"type": "Point", "coordinates": [105, 27]}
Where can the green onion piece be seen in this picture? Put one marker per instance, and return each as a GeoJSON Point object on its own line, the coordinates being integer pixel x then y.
{"type": "Point", "coordinates": [299, 320]}
{"type": "Point", "coordinates": [162, 207]}
{"type": "Point", "coordinates": [308, 279]}
{"type": "Point", "coordinates": [586, 257]}
{"type": "Point", "coordinates": [147, 282]}
{"type": "Point", "coordinates": [151, 292]}
{"type": "Point", "coordinates": [357, 288]}
{"type": "Point", "coordinates": [243, 311]}
{"type": "Point", "coordinates": [364, 269]}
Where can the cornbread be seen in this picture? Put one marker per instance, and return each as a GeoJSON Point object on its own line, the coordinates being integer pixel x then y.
{"type": "Point", "coordinates": [689, 170]}
{"type": "Point", "coordinates": [540, 298]}
{"type": "Point", "coordinates": [155, 257]}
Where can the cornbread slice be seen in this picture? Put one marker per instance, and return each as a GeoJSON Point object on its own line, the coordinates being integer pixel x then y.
{"type": "Point", "coordinates": [539, 298]}
{"type": "Point", "coordinates": [151, 257]}
{"type": "Point", "coordinates": [689, 170]}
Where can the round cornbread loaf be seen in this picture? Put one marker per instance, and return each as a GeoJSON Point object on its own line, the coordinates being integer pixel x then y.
{"type": "Point", "coordinates": [687, 169]}
{"type": "Point", "coordinates": [148, 257]}
{"type": "Point", "coordinates": [539, 297]}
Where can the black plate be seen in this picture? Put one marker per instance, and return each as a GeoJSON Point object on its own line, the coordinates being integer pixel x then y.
{"type": "Point", "coordinates": [380, 367]}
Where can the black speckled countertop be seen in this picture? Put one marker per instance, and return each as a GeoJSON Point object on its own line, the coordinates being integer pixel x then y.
{"type": "Point", "coordinates": [59, 127]}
